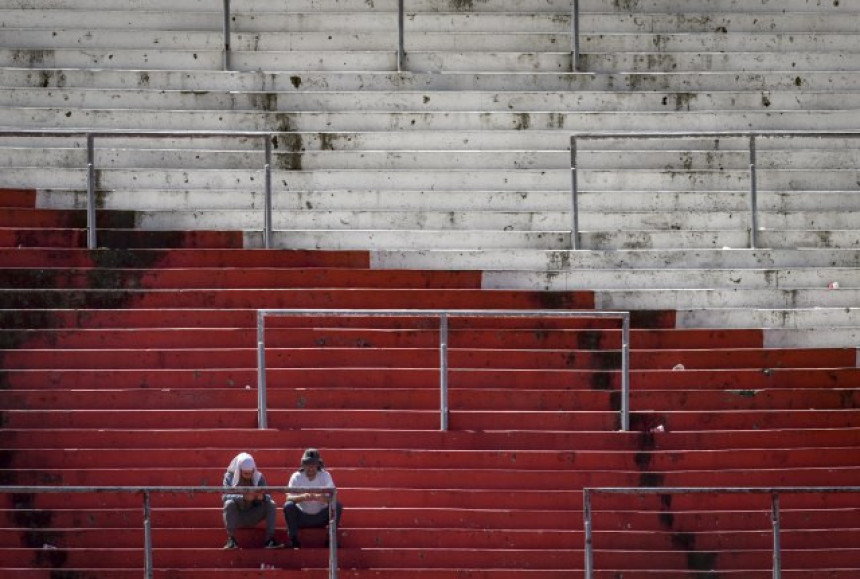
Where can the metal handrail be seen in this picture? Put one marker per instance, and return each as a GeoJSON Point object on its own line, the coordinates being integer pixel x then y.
{"type": "Point", "coordinates": [773, 491]}
{"type": "Point", "coordinates": [91, 136]}
{"type": "Point", "coordinates": [149, 490]}
{"type": "Point", "coordinates": [751, 135]}
{"type": "Point", "coordinates": [444, 316]}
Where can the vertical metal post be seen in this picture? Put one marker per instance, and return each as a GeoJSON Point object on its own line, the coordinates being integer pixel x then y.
{"type": "Point", "coordinates": [625, 372]}
{"type": "Point", "coordinates": [267, 203]}
{"type": "Point", "coordinates": [147, 537]}
{"type": "Point", "coordinates": [401, 50]}
{"type": "Point", "coordinates": [753, 195]}
{"type": "Point", "coordinates": [574, 36]}
{"type": "Point", "coordinates": [574, 193]}
{"type": "Point", "coordinates": [226, 34]}
{"type": "Point", "coordinates": [589, 553]}
{"type": "Point", "coordinates": [777, 555]}
{"type": "Point", "coordinates": [262, 423]}
{"type": "Point", "coordinates": [443, 370]}
{"type": "Point", "coordinates": [332, 535]}
{"type": "Point", "coordinates": [92, 242]}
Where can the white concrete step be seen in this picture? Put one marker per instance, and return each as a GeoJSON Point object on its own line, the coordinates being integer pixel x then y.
{"type": "Point", "coordinates": [89, 38]}
{"type": "Point", "coordinates": [682, 299]}
{"type": "Point", "coordinates": [654, 61]}
{"type": "Point", "coordinates": [410, 239]}
{"type": "Point", "coordinates": [617, 259]}
{"type": "Point", "coordinates": [432, 200]}
{"type": "Point", "coordinates": [592, 165]}
{"type": "Point", "coordinates": [381, 218]}
{"type": "Point", "coordinates": [491, 21]}
{"type": "Point", "coordinates": [670, 279]}
{"type": "Point", "coordinates": [489, 101]}
{"type": "Point", "coordinates": [821, 337]}
{"type": "Point", "coordinates": [817, 317]}
{"type": "Point", "coordinates": [424, 179]}
{"type": "Point", "coordinates": [417, 61]}
{"type": "Point", "coordinates": [640, 6]}
{"type": "Point", "coordinates": [210, 80]}
{"type": "Point", "coordinates": [71, 118]}
{"type": "Point", "coordinates": [737, 238]}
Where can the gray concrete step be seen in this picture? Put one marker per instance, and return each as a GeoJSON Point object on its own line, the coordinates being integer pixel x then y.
{"type": "Point", "coordinates": [592, 165]}
{"type": "Point", "coordinates": [424, 179]}
{"type": "Point", "coordinates": [489, 101]}
{"type": "Point", "coordinates": [69, 118]}
{"type": "Point", "coordinates": [209, 80]}
{"type": "Point", "coordinates": [644, 299]}
{"type": "Point", "coordinates": [670, 279]}
{"type": "Point", "coordinates": [618, 259]}
{"type": "Point", "coordinates": [89, 38]}
{"type": "Point", "coordinates": [433, 200]}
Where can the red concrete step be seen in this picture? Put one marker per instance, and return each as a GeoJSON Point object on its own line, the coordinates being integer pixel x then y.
{"type": "Point", "coordinates": [32, 218]}
{"type": "Point", "coordinates": [209, 317]}
{"type": "Point", "coordinates": [356, 498]}
{"type": "Point", "coordinates": [43, 238]}
{"type": "Point", "coordinates": [640, 380]}
{"type": "Point", "coordinates": [501, 399]}
{"type": "Point", "coordinates": [309, 573]}
{"type": "Point", "coordinates": [23, 198]}
{"type": "Point", "coordinates": [353, 538]}
{"type": "Point", "coordinates": [333, 418]}
{"type": "Point", "coordinates": [474, 478]}
{"type": "Point", "coordinates": [550, 460]}
{"type": "Point", "coordinates": [118, 238]}
{"type": "Point", "coordinates": [303, 337]}
{"type": "Point", "coordinates": [230, 278]}
{"type": "Point", "coordinates": [428, 358]}
{"type": "Point", "coordinates": [296, 298]}
{"type": "Point", "coordinates": [436, 538]}
{"type": "Point", "coordinates": [450, 440]}
{"type": "Point", "coordinates": [288, 558]}
{"type": "Point", "coordinates": [183, 258]}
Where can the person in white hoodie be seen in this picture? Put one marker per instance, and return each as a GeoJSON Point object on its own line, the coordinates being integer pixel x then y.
{"type": "Point", "coordinates": [309, 509]}
{"type": "Point", "coordinates": [247, 509]}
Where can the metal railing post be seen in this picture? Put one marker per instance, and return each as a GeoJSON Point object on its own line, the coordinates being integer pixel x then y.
{"type": "Point", "coordinates": [92, 241]}
{"type": "Point", "coordinates": [589, 552]}
{"type": "Point", "coordinates": [267, 200]}
{"type": "Point", "coordinates": [332, 535]}
{"type": "Point", "coordinates": [574, 36]}
{"type": "Point", "coordinates": [753, 195]}
{"type": "Point", "coordinates": [574, 193]}
{"type": "Point", "coordinates": [262, 421]}
{"type": "Point", "coordinates": [625, 373]}
{"type": "Point", "coordinates": [226, 34]}
{"type": "Point", "coordinates": [147, 537]}
{"type": "Point", "coordinates": [443, 371]}
{"type": "Point", "coordinates": [401, 50]}
{"type": "Point", "coordinates": [777, 555]}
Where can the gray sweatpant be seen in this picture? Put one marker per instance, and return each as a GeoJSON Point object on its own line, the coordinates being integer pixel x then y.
{"type": "Point", "coordinates": [235, 517]}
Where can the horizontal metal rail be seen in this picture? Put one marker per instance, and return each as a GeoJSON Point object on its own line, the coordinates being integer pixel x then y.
{"type": "Point", "coordinates": [91, 136]}
{"type": "Point", "coordinates": [775, 492]}
{"type": "Point", "coordinates": [444, 316]}
{"type": "Point", "coordinates": [751, 135]}
{"type": "Point", "coordinates": [147, 491]}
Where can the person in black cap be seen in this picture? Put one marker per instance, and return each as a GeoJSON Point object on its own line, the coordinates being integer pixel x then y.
{"type": "Point", "coordinates": [304, 510]}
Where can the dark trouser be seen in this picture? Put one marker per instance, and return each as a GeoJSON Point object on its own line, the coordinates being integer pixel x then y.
{"type": "Point", "coordinates": [236, 517]}
{"type": "Point", "coordinates": [298, 519]}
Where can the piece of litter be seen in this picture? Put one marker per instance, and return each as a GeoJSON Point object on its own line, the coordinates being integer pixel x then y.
{"type": "Point", "coordinates": [833, 285]}
{"type": "Point", "coordinates": [48, 546]}
{"type": "Point", "coordinates": [678, 367]}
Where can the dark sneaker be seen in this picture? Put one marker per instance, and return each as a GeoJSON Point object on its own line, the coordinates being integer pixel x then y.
{"type": "Point", "coordinates": [273, 544]}
{"type": "Point", "coordinates": [231, 544]}
{"type": "Point", "coordinates": [295, 544]}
